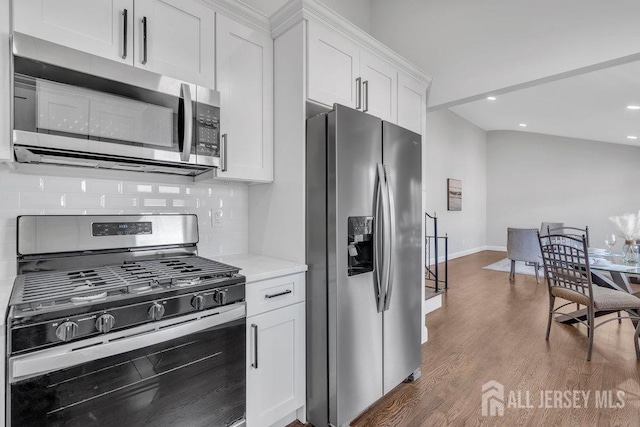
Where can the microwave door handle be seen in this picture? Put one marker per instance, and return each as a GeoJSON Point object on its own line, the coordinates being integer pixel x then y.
{"type": "Point", "coordinates": [187, 123]}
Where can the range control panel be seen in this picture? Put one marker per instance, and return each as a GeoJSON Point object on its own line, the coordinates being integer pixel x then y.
{"type": "Point", "coordinates": [99, 229]}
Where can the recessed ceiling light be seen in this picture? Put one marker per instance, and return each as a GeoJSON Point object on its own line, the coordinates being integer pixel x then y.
{"type": "Point", "coordinates": [491, 98]}
{"type": "Point", "coordinates": [633, 107]}
{"type": "Point", "coordinates": [523, 125]}
{"type": "Point", "coordinates": [632, 137]}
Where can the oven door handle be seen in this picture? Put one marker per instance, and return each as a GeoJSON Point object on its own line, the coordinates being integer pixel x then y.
{"type": "Point", "coordinates": [83, 351]}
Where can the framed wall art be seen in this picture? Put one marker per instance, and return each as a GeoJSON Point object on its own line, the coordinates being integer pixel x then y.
{"type": "Point", "coordinates": [454, 194]}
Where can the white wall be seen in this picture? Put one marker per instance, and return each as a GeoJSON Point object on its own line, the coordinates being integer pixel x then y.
{"type": "Point", "coordinates": [457, 149]}
{"type": "Point", "coordinates": [55, 190]}
{"type": "Point", "coordinates": [470, 47]}
{"type": "Point", "coordinates": [533, 178]}
{"type": "Point", "coordinates": [356, 11]}
{"type": "Point", "coordinates": [277, 220]}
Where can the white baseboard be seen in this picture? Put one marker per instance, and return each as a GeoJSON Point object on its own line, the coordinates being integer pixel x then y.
{"type": "Point", "coordinates": [471, 251]}
{"type": "Point", "coordinates": [431, 304]}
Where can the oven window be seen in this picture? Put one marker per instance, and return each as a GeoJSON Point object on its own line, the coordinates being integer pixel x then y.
{"type": "Point", "coordinates": [197, 380]}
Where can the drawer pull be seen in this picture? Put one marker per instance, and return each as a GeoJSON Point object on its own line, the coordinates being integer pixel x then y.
{"type": "Point", "coordinates": [288, 291]}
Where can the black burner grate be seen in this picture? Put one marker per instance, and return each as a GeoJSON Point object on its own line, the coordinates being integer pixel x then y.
{"type": "Point", "coordinates": [60, 286]}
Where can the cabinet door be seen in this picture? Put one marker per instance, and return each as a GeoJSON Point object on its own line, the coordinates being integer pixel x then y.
{"type": "Point", "coordinates": [179, 39]}
{"type": "Point", "coordinates": [275, 364]}
{"type": "Point", "coordinates": [333, 66]}
{"type": "Point", "coordinates": [245, 83]}
{"type": "Point", "coordinates": [412, 103]}
{"type": "Point", "coordinates": [5, 89]}
{"type": "Point", "coordinates": [96, 26]}
{"type": "Point", "coordinates": [379, 87]}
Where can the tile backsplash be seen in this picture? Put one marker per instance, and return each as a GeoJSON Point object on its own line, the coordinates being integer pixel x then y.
{"type": "Point", "coordinates": [222, 208]}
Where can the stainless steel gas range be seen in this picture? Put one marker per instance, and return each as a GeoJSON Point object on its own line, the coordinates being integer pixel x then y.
{"type": "Point", "coordinates": [115, 320]}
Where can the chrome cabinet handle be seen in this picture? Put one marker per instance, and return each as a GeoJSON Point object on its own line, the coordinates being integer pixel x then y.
{"type": "Point", "coordinates": [365, 85]}
{"type": "Point", "coordinates": [125, 19]}
{"type": "Point", "coordinates": [392, 240]}
{"type": "Point", "coordinates": [254, 328]}
{"type": "Point", "coordinates": [358, 93]}
{"type": "Point", "coordinates": [144, 40]}
{"type": "Point", "coordinates": [223, 153]}
{"type": "Point", "coordinates": [187, 122]}
{"type": "Point", "coordinates": [279, 294]}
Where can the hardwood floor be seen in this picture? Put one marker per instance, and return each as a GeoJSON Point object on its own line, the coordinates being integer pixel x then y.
{"type": "Point", "coordinates": [491, 329]}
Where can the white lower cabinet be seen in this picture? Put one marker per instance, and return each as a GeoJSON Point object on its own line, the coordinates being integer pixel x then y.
{"type": "Point", "coordinates": [275, 350]}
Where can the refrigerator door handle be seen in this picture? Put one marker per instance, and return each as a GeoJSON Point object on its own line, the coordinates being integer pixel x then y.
{"type": "Point", "coordinates": [392, 240]}
{"type": "Point", "coordinates": [378, 238]}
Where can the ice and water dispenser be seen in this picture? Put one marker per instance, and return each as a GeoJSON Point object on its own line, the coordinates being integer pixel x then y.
{"type": "Point", "coordinates": [360, 244]}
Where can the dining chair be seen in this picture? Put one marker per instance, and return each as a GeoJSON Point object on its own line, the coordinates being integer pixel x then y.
{"type": "Point", "coordinates": [546, 226]}
{"type": "Point", "coordinates": [568, 276]}
{"type": "Point", "coordinates": [576, 231]}
{"type": "Point", "coordinates": [522, 245]}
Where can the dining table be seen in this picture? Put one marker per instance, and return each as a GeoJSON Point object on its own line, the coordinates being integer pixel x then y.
{"type": "Point", "coordinates": [610, 270]}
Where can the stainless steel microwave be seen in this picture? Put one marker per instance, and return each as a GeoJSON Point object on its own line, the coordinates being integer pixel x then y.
{"type": "Point", "coordinates": [76, 109]}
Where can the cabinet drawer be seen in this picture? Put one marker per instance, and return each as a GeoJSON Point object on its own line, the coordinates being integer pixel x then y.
{"type": "Point", "coordinates": [274, 293]}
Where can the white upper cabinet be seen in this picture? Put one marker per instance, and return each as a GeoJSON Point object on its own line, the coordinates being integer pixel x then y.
{"type": "Point", "coordinates": [5, 90]}
{"type": "Point", "coordinates": [334, 66]}
{"type": "Point", "coordinates": [101, 27]}
{"type": "Point", "coordinates": [379, 87]}
{"type": "Point", "coordinates": [175, 38]}
{"type": "Point", "coordinates": [412, 103]}
{"type": "Point", "coordinates": [245, 82]}
{"type": "Point", "coordinates": [340, 71]}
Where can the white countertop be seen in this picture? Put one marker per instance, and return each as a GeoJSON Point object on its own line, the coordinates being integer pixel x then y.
{"type": "Point", "coordinates": [259, 267]}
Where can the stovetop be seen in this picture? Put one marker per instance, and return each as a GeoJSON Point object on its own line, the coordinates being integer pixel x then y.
{"type": "Point", "coordinates": [47, 291]}
{"type": "Point", "coordinates": [85, 275]}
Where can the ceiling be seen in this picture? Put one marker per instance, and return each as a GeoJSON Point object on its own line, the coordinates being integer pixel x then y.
{"type": "Point", "coordinates": [587, 106]}
{"type": "Point", "coordinates": [567, 69]}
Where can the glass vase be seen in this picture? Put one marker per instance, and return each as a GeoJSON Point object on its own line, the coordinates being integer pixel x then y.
{"type": "Point", "coordinates": [630, 252]}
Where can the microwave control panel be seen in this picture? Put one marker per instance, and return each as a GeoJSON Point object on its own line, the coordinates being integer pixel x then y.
{"type": "Point", "coordinates": [208, 130]}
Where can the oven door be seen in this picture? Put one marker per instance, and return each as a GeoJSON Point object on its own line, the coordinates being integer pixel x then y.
{"type": "Point", "coordinates": [78, 104]}
{"type": "Point", "coordinates": [187, 371]}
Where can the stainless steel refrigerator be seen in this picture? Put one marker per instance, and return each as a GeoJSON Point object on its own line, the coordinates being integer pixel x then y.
{"type": "Point", "coordinates": [364, 240]}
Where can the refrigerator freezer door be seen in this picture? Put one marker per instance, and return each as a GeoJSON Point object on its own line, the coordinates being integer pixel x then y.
{"type": "Point", "coordinates": [403, 320]}
{"type": "Point", "coordinates": [354, 147]}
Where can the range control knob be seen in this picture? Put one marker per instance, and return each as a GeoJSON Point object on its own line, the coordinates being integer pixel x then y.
{"type": "Point", "coordinates": [220, 297]}
{"type": "Point", "coordinates": [198, 302]}
{"type": "Point", "coordinates": [105, 323]}
{"type": "Point", "coordinates": [67, 331]}
{"type": "Point", "coordinates": [156, 311]}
